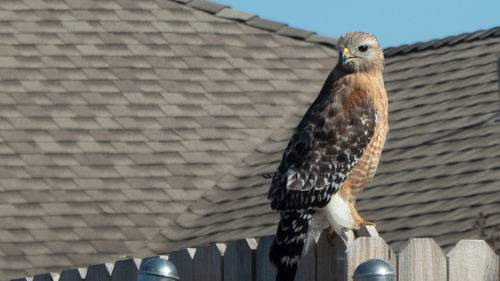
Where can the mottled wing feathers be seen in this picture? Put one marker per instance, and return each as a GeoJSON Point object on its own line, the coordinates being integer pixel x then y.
{"type": "Point", "coordinates": [324, 148]}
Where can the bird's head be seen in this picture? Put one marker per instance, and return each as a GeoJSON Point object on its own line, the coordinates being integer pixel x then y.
{"type": "Point", "coordinates": [359, 51]}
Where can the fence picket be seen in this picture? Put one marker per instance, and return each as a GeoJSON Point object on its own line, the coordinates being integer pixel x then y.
{"type": "Point", "coordinates": [125, 270]}
{"type": "Point", "coordinates": [99, 272]}
{"type": "Point", "coordinates": [329, 259]}
{"type": "Point", "coordinates": [239, 260]}
{"type": "Point", "coordinates": [208, 262]}
{"type": "Point", "coordinates": [330, 252]}
{"type": "Point", "coordinates": [183, 261]}
{"type": "Point", "coordinates": [264, 269]}
{"type": "Point", "coordinates": [473, 260]}
{"type": "Point", "coordinates": [421, 259]}
{"type": "Point", "coordinates": [365, 248]}
{"type": "Point", "coordinates": [71, 275]}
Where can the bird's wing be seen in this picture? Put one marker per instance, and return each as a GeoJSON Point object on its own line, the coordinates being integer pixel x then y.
{"type": "Point", "coordinates": [325, 146]}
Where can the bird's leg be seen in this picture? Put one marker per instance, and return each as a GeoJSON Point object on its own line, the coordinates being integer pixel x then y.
{"type": "Point", "coordinates": [331, 236]}
{"type": "Point", "coordinates": [331, 232]}
{"type": "Point", "coordinates": [359, 220]}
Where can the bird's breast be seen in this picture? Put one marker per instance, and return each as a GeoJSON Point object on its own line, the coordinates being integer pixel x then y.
{"type": "Point", "coordinates": [364, 170]}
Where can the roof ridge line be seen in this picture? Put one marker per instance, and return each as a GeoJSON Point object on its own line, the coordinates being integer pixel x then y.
{"type": "Point", "coordinates": [255, 21]}
{"type": "Point", "coordinates": [283, 29]}
{"type": "Point", "coordinates": [447, 41]}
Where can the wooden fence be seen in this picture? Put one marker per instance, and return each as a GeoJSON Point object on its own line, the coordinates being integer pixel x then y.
{"type": "Point", "coordinates": [420, 259]}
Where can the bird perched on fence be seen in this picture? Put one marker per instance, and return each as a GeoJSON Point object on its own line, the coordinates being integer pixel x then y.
{"type": "Point", "coordinates": [333, 152]}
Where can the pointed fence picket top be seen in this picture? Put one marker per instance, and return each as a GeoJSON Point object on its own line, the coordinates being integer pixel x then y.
{"type": "Point", "coordinates": [264, 269]}
{"type": "Point", "coordinates": [239, 260]}
{"type": "Point", "coordinates": [125, 270]}
{"type": "Point", "coordinates": [183, 260]}
{"type": "Point", "coordinates": [421, 259]}
{"type": "Point", "coordinates": [208, 262]}
{"type": "Point", "coordinates": [365, 248]}
{"type": "Point", "coordinates": [473, 260]}
{"type": "Point", "coordinates": [72, 275]}
{"type": "Point", "coordinates": [99, 272]}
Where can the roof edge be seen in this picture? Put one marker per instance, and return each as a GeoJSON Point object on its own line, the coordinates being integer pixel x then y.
{"type": "Point", "coordinates": [255, 21]}
{"type": "Point", "coordinates": [282, 29]}
{"type": "Point", "coordinates": [438, 43]}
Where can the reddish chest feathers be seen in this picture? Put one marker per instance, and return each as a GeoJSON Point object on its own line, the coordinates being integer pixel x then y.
{"type": "Point", "coordinates": [364, 170]}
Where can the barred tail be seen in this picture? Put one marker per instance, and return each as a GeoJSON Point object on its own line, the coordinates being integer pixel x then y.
{"type": "Point", "coordinates": [289, 242]}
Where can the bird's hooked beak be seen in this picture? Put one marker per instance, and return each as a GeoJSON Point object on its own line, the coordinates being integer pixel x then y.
{"type": "Point", "coordinates": [346, 55]}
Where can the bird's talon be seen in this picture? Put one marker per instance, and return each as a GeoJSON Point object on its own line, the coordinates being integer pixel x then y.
{"type": "Point", "coordinates": [331, 232]}
{"type": "Point", "coordinates": [368, 223]}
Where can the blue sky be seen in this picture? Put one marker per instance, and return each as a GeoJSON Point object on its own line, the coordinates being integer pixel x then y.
{"type": "Point", "coordinates": [393, 22]}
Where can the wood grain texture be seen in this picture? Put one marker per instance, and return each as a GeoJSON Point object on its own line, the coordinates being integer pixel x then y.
{"type": "Point", "coordinates": [365, 248]}
{"type": "Point", "coordinates": [421, 259]}
{"type": "Point", "coordinates": [183, 261]}
{"type": "Point", "coordinates": [473, 260]}
{"type": "Point", "coordinates": [239, 260]}
{"type": "Point", "coordinates": [264, 269]}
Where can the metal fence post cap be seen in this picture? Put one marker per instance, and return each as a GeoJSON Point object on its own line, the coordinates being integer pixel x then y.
{"type": "Point", "coordinates": [374, 269]}
{"type": "Point", "coordinates": [157, 269]}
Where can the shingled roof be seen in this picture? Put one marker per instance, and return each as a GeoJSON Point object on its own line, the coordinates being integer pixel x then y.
{"type": "Point", "coordinates": [118, 115]}
{"type": "Point", "coordinates": [137, 127]}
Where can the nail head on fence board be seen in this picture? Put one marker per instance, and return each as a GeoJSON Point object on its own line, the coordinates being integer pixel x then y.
{"type": "Point", "coordinates": [330, 252]}
{"type": "Point", "coordinates": [365, 248]}
{"type": "Point", "coordinates": [421, 259]}
{"type": "Point", "coordinates": [98, 272]}
{"type": "Point", "coordinates": [264, 269]}
{"type": "Point", "coordinates": [125, 270]}
{"type": "Point", "coordinates": [183, 262]}
{"type": "Point", "coordinates": [239, 261]}
{"type": "Point", "coordinates": [70, 275]}
{"type": "Point", "coordinates": [473, 260]}
{"type": "Point", "coordinates": [208, 262]}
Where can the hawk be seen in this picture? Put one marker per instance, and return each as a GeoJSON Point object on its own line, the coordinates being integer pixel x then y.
{"type": "Point", "coordinates": [333, 152]}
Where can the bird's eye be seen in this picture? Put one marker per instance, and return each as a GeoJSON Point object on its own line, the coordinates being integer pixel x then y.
{"type": "Point", "coordinates": [363, 48]}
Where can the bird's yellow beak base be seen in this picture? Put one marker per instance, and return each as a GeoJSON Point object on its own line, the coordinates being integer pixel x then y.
{"type": "Point", "coordinates": [346, 55]}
